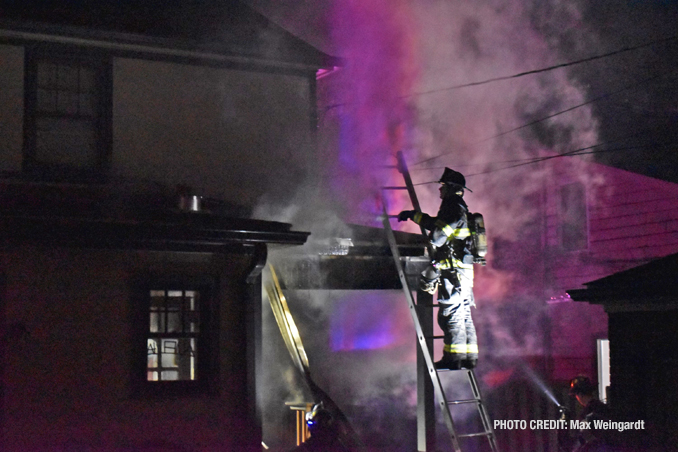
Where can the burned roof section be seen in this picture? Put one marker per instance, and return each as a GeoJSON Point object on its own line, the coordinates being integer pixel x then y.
{"type": "Point", "coordinates": [360, 261]}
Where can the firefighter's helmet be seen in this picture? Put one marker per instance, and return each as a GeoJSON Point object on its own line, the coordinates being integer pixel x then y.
{"type": "Point", "coordinates": [581, 385]}
{"type": "Point", "coordinates": [454, 178]}
{"type": "Point", "coordinates": [319, 418]}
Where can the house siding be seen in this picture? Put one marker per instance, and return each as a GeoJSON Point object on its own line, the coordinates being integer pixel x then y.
{"type": "Point", "coordinates": [226, 133]}
{"type": "Point", "coordinates": [632, 219]}
{"type": "Point", "coordinates": [66, 381]}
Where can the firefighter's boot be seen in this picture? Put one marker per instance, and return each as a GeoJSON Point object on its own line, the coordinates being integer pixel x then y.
{"type": "Point", "coordinates": [469, 363]}
{"type": "Point", "coordinates": [450, 361]}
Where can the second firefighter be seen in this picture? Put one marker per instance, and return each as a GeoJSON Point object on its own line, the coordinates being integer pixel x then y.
{"type": "Point", "coordinates": [451, 271]}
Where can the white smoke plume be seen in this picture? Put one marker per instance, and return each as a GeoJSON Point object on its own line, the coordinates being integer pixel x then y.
{"type": "Point", "coordinates": [395, 93]}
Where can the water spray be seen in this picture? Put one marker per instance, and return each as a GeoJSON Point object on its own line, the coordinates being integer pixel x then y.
{"type": "Point", "coordinates": [539, 383]}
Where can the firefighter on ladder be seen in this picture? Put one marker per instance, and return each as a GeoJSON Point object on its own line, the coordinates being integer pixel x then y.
{"type": "Point", "coordinates": [451, 271]}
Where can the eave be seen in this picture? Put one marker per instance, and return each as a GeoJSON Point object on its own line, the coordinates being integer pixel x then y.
{"type": "Point", "coordinates": [649, 287]}
{"type": "Point", "coordinates": [152, 48]}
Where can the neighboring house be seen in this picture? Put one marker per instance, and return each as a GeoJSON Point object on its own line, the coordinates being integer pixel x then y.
{"type": "Point", "coordinates": [591, 221]}
{"type": "Point", "coordinates": [642, 305]}
{"type": "Point", "coordinates": [616, 221]}
{"type": "Point", "coordinates": [588, 221]}
{"type": "Point", "coordinates": [129, 306]}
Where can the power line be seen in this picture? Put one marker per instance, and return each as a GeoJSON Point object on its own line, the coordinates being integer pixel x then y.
{"type": "Point", "coordinates": [521, 74]}
{"type": "Point", "coordinates": [580, 151]}
{"type": "Point", "coordinates": [645, 131]}
{"type": "Point", "coordinates": [627, 87]}
{"type": "Point", "coordinates": [550, 68]}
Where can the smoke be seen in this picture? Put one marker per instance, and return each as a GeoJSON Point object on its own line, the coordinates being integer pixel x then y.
{"type": "Point", "coordinates": [372, 381]}
{"type": "Point", "coordinates": [393, 95]}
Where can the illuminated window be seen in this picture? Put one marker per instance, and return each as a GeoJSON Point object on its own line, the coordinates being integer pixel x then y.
{"type": "Point", "coordinates": [573, 217]}
{"type": "Point", "coordinates": [173, 333]}
{"type": "Point", "coordinates": [67, 103]}
{"type": "Point", "coordinates": [174, 337]}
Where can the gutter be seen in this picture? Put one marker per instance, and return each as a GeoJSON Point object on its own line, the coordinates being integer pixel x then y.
{"type": "Point", "coordinates": [158, 47]}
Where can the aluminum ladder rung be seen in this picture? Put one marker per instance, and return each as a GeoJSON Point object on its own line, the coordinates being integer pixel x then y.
{"type": "Point", "coordinates": [473, 435]}
{"type": "Point", "coordinates": [459, 402]}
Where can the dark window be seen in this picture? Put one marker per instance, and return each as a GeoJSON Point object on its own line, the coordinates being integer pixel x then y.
{"type": "Point", "coordinates": [67, 128]}
{"type": "Point", "coordinates": [573, 217]}
{"type": "Point", "coordinates": [174, 337]}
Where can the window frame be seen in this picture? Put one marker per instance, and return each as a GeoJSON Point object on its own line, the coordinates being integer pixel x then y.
{"type": "Point", "coordinates": [101, 64]}
{"type": "Point", "coordinates": [207, 347]}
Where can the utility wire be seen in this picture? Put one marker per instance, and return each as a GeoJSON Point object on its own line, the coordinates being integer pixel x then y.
{"type": "Point", "coordinates": [531, 159]}
{"type": "Point", "coordinates": [580, 151]}
{"type": "Point", "coordinates": [521, 74]}
{"type": "Point", "coordinates": [625, 88]}
{"type": "Point", "coordinates": [550, 68]}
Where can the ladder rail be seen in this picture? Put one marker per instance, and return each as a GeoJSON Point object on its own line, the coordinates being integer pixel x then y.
{"type": "Point", "coordinates": [482, 411]}
{"type": "Point", "coordinates": [437, 386]}
{"type": "Point", "coordinates": [402, 168]}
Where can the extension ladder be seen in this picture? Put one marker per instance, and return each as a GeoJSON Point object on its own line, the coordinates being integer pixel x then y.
{"type": "Point", "coordinates": [428, 357]}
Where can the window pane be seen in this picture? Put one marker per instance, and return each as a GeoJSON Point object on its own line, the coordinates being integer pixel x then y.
{"type": "Point", "coordinates": [155, 323]}
{"type": "Point", "coordinates": [47, 75]}
{"type": "Point", "coordinates": [186, 359]}
{"type": "Point", "coordinates": [67, 102]}
{"type": "Point", "coordinates": [67, 78]}
{"type": "Point", "coordinates": [192, 300]}
{"type": "Point", "coordinates": [174, 322]}
{"type": "Point", "coordinates": [157, 300]}
{"type": "Point", "coordinates": [65, 141]}
{"type": "Point", "coordinates": [46, 100]}
{"type": "Point", "coordinates": [192, 320]}
{"type": "Point", "coordinates": [87, 84]}
{"type": "Point", "coordinates": [86, 104]}
{"type": "Point", "coordinates": [168, 375]}
{"type": "Point", "coordinates": [152, 356]}
{"type": "Point", "coordinates": [193, 358]}
{"type": "Point", "coordinates": [174, 301]}
{"type": "Point", "coordinates": [170, 348]}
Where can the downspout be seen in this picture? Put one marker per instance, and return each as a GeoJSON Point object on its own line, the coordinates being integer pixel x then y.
{"type": "Point", "coordinates": [254, 346]}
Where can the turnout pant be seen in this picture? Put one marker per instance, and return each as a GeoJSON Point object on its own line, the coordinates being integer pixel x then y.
{"type": "Point", "coordinates": [455, 295]}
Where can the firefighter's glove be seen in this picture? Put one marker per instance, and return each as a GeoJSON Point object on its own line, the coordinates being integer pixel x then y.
{"type": "Point", "coordinates": [406, 215]}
